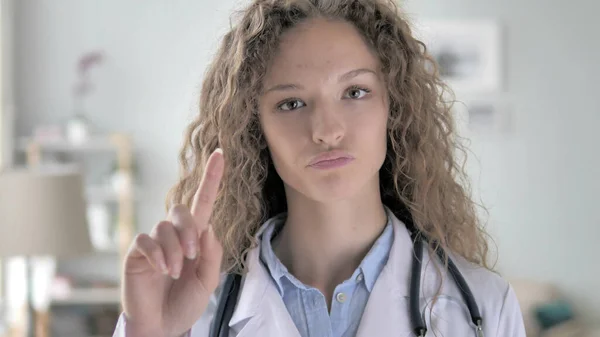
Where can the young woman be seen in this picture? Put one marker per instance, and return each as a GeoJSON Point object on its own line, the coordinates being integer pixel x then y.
{"type": "Point", "coordinates": [320, 165]}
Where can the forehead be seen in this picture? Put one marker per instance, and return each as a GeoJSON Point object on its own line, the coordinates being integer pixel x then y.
{"type": "Point", "coordinates": [318, 47]}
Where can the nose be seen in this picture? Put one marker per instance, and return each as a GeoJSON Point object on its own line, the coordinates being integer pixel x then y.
{"type": "Point", "coordinates": [328, 127]}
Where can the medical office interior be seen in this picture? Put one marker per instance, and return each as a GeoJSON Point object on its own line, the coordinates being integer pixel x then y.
{"type": "Point", "coordinates": [106, 88]}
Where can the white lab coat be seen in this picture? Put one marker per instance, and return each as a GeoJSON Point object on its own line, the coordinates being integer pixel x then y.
{"type": "Point", "coordinates": [260, 310]}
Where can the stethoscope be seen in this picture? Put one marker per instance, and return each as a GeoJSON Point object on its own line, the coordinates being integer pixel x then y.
{"type": "Point", "coordinates": [231, 288]}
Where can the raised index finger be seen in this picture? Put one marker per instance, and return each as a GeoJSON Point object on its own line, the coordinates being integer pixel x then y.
{"type": "Point", "coordinates": [205, 196]}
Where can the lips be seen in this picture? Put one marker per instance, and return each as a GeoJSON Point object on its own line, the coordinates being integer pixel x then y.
{"type": "Point", "coordinates": [330, 156]}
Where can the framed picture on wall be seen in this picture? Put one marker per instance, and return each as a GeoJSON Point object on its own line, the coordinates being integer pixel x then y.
{"type": "Point", "coordinates": [468, 53]}
{"type": "Point", "coordinates": [483, 116]}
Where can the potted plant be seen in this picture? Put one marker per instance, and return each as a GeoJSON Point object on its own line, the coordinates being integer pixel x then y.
{"type": "Point", "coordinates": [78, 126]}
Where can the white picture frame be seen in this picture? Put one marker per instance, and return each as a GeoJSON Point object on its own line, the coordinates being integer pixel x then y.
{"type": "Point", "coordinates": [468, 53]}
{"type": "Point", "coordinates": [483, 116]}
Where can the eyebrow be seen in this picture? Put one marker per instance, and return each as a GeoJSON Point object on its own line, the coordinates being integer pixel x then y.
{"type": "Point", "coordinates": [284, 87]}
{"type": "Point", "coordinates": [353, 73]}
{"type": "Point", "coordinates": [344, 77]}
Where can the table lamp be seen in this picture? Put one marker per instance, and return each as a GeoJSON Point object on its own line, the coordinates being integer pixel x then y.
{"type": "Point", "coordinates": [42, 213]}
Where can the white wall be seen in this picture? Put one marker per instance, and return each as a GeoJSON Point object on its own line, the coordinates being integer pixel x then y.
{"type": "Point", "coordinates": [156, 53]}
{"type": "Point", "coordinates": [6, 80]}
{"type": "Point", "coordinates": [539, 181]}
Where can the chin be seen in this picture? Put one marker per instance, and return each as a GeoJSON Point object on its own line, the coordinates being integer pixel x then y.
{"type": "Point", "coordinates": [334, 188]}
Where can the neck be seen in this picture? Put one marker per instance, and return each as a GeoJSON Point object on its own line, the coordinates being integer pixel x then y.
{"type": "Point", "coordinates": [323, 244]}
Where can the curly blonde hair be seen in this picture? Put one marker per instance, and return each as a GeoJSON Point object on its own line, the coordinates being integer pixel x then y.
{"type": "Point", "coordinates": [421, 177]}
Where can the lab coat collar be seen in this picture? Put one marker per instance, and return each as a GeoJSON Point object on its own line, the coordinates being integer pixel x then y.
{"type": "Point", "coordinates": [260, 306]}
{"type": "Point", "coordinates": [260, 300]}
{"type": "Point", "coordinates": [256, 284]}
{"type": "Point", "coordinates": [397, 270]}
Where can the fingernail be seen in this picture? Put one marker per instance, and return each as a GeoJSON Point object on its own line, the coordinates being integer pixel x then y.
{"type": "Point", "coordinates": [175, 273]}
{"type": "Point", "coordinates": [164, 268]}
{"type": "Point", "coordinates": [191, 250]}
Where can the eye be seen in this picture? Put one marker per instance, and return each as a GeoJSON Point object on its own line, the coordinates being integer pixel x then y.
{"type": "Point", "coordinates": [357, 92]}
{"type": "Point", "coordinates": [290, 105]}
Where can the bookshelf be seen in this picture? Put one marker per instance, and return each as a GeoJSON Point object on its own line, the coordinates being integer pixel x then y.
{"type": "Point", "coordinates": [93, 300]}
{"type": "Point", "coordinates": [90, 296]}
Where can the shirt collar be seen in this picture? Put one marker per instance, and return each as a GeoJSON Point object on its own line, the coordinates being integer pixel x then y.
{"type": "Point", "coordinates": [267, 255]}
{"type": "Point", "coordinates": [377, 257]}
{"type": "Point", "coordinates": [370, 266]}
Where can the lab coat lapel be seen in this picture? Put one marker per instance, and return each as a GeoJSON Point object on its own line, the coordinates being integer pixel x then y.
{"type": "Point", "coordinates": [388, 306]}
{"type": "Point", "coordinates": [260, 310]}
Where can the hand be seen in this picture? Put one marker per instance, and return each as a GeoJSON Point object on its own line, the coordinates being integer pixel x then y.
{"type": "Point", "coordinates": [170, 274]}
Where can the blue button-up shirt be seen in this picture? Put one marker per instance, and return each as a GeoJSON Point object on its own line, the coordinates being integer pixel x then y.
{"type": "Point", "coordinates": [307, 305]}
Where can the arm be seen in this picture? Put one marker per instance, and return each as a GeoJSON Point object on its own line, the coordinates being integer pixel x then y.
{"type": "Point", "coordinates": [510, 322]}
{"type": "Point", "coordinates": [122, 325]}
{"type": "Point", "coordinates": [199, 329]}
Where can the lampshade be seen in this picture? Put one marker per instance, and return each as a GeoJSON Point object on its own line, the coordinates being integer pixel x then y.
{"type": "Point", "coordinates": [43, 212]}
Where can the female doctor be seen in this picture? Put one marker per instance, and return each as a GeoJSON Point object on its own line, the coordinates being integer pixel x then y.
{"type": "Point", "coordinates": [321, 171]}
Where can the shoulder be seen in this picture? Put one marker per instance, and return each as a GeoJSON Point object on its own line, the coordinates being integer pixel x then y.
{"type": "Point", "coordinates": [482, 280]}
{"type": "Point", "coordinates": [495, 297]}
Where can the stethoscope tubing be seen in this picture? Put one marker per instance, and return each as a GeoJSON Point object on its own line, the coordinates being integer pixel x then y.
{"type": "Point", "coordinates": [232, 285]}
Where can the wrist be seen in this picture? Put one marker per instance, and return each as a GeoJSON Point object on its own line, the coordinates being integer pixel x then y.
{"type": "Point", "coordinates": [133, 331]}
{"type": "Point", "coordinates": [139, 330]}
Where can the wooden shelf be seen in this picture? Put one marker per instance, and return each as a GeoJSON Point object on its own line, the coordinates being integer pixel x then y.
{"type": "Point", "coordinates": [105, 194]}
{"type": "Point", "coordinates": [91, 296]}
{"type": "Point", "coordinates": [120, 145]}
{"type": "Point", "coordinates": [117, 143]}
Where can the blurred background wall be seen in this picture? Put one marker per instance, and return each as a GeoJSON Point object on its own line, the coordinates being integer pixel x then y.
{"type": "Point", "coordinates": [155, 55]}
{"type": "Point", "coordinates": [539, 178]}
{"type": "Point", "coordinates": [540, 181]}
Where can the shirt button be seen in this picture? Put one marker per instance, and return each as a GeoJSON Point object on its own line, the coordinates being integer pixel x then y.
{"type": "Point", "coordinates": [359, 277]}
{"type": "Point", "coordinates": [340, 297]}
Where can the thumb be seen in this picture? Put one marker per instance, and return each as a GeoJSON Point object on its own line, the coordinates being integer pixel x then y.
{"type": "Point", "coordinates": [208, 267]}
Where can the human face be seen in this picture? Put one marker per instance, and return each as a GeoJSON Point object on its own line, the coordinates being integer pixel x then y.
{"type": "Point", "coordinates": [324, 96]}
